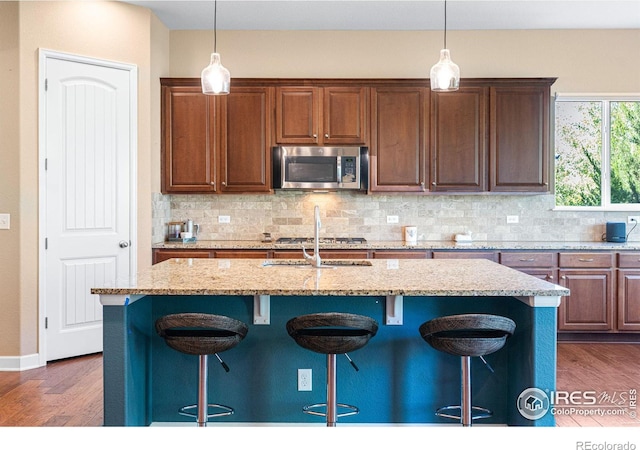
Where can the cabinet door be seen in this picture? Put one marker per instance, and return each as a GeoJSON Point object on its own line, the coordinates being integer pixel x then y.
{"type": "Point", "coordinates": [399, 118]}
{"type": "Point", "coordinates": [459, 132]}
{"type": "Point", "coordinates": [628, 287]}
{"type": "Point", "coordinates": [344, 116]}
{"type": "Point", "coordinates": [297, 115]}
{"type": "Point", "coordinates": [245, 140]}
{"type": "Point", "coordinates": [519, 139]}
{"type": "Point", "coordinates": [629, 300]}
{"type": "Point", "coordinates": [188, 143]}
{"type": "Point", "coordinates": [590, 305]}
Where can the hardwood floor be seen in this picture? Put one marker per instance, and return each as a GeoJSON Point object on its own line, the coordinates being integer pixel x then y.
{"type": "Point", "coordinates": [68, 393]}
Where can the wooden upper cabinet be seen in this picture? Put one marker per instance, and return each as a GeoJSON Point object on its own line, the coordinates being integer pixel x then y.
{"type": "Point", "coordinates": [245, 140]}
{"type": "Point", "coordinates": [188, 140]}
{"type": "Point", "coordinates": [459, 136]}
{"type": "Point", "coordinates": [519, 138]}
{"type": "Point", "coordinates": [399, 133]}
{"type": "Point", "coordinates": [216, 144]}
{"type": "Point", "coordinates": [311, 115]}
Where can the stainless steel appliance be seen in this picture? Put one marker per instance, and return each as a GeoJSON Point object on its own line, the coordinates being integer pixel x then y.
{"type": "Point", "coordinates": [321, 168]}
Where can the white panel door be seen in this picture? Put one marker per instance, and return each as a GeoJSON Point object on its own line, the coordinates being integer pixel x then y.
{"type": "Point", "coordinates": [87, 189]}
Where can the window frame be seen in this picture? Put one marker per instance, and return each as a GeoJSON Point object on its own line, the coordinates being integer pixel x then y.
{"type": "Point", "coordinates": [605, 183]}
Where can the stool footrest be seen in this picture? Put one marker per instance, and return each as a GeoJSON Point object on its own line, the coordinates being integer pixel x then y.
{"type": "Point", "coordinates": [225, 411]}
{"type": "Point", "coordinates": [312, 410]}
{"type": "Point", "coordinates": [477, 412]}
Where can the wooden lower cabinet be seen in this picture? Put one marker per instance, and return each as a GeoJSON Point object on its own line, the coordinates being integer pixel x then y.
{"type": "Point", "coordinates": [401, 254]}
{"type": "Point", "coordinates": [543, 265]}
{"type": "Point", "coordinates": [458, 254]}
{"type": "Point", "coordinates": [629, 292]}
{"type": "Point", "coordinates": [590, 278]}
{"type": "Point", "coordinates": [249, 254]}
{"type": "Point", "coordinates": [324, 254]}
{"type": "Point", "coordinates": [160, 254]}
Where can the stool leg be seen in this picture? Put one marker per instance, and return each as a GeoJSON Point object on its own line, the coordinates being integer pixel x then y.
{"type": "Point", "coordinates": [331, 391]}
{"type": "Point", "coordinates": [466, 406]}
{"type": "Point", "coordinates": [203, 407]}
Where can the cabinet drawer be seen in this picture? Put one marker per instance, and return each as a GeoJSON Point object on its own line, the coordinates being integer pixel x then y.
{"type": "Point", "coordinates": [231, 254]}
{"type": "Point", "coordinates": [529, 259]}
{"type": "Point", "coordinates": [400, 254]}
{"type": "Point", "coordinates": [588, 260]}
{"type": "Point", "coordinates": [628, 260]}
{"type": "Point", "coordinates": [162, 255]}
{"type": "Point", "coordinates": [491, 256]}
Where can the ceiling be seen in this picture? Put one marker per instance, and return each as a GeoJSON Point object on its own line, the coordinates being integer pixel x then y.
{"type": "Point", "coordinates": [396, 14]}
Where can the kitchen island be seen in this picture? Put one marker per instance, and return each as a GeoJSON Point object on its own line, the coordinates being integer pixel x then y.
{"type": "Point", "coordinates": [401, 378]}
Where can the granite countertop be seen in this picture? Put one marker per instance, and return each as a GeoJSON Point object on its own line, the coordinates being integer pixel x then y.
{"type": "Point", "coordinates": [400, 245]}
{"type": "Point", "coordinates": [464, 277]}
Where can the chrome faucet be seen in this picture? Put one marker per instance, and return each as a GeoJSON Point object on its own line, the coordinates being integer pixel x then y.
{"type": "Point", "coordinates": [315, 260]}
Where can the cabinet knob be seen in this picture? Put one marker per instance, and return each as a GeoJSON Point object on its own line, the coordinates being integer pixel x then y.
{"type": "Point", "coordinates": [224, 183]}
{"type": "Point", "coordinates": [326, 135]}
{"type": "Point", "coordinates": [550, 277]}
{"type": "Point", "coordinates": [315, 135]}
{"type": "Point", "coordinates": [433, 183]}
{"type": "Point", "coordinates": [213, 183]}
{"type": "Point", "coordinates": [563, 277]}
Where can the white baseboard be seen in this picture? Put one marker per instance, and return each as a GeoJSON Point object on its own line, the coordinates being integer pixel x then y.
{"type": "Point", "coordinates": [19, 363]}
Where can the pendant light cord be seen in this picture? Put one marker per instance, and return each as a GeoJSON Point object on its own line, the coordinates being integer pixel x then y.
{"type": "Point", "coordinates": [445, 23]}
{"type": "Point", "coordinates": [215, 26]}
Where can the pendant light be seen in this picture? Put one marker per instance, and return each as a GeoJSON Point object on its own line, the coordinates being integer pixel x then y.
{"type": "Point", "coordinates": [215, 78]}
{"type": "Point", "coordinates": [445, 74]}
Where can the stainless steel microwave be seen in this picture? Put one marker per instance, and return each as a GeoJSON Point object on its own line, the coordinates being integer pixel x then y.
{"type": "Point", "coordinates": [320, 168]}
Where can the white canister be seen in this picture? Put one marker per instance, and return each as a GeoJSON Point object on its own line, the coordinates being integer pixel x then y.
{"type": "Point", "coordinates": [410, 235]}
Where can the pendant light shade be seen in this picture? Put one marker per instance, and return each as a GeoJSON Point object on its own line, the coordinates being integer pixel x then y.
{"type": "Point", "coordinates": [215, 78]}
{"type": "Point", "coordinates": [445, 74]}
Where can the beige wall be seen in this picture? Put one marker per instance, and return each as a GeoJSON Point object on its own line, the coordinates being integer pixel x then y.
{"type": "Point", "coordinates": [9, 179]}
{"type": "Point", "coordinates": [583, 60]}
{"type": "Point", "coordinates": [106, 30]}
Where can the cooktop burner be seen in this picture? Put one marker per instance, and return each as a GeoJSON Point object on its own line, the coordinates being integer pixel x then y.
{"type": "Point", "coordinates": [336, 240]}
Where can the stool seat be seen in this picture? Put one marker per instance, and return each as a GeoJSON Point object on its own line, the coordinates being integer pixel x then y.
{"type": "Point", "coordinates": [202, 334]}
{"type": "Point", "coordinates": [332, 333]}
{"type": "Point", "coordinates": [468, 334]}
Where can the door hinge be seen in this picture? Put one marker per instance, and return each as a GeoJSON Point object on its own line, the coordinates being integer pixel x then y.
{"type": "Point", "coordinates": [46, 84]}
{"type": "Point", "coordinates": [46, 163]}
{"type": "Point", "coordinates": [46, 243]}
{"type": "Point", "coordinates": [46, 323]}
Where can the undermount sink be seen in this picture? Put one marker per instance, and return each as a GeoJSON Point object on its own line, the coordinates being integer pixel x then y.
{"type": "Point", "coordinates": [331, 264]}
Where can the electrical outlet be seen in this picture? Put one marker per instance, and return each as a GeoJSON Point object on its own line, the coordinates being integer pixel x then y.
{"type": "Point", "coordinates": [304, 379]}
{"type": "Point", "coordinates": [392, 219]}
{"type": "Point", "coordinates": [224, 219]}
{"type": "Point", "coordinates": [513, 219]}
{"type": "Point", "coordinates": [5, 221]}
{"type": "Point", "coordinates": [633, 219]}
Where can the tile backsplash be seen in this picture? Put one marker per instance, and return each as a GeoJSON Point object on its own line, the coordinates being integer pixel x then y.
{"type": "Point", "coordinates": [351, 214]}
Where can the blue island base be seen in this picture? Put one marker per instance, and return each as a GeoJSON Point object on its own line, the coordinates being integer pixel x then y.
{"type": "Point", "coordinates": [402, 380]}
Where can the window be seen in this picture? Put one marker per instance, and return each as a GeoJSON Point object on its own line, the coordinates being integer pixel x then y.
{"type": "Point", "coordinates": [597, 152]}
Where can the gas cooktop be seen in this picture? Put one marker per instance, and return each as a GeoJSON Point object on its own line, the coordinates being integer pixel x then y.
{"type": "Point", "coordinates": [336, 240]}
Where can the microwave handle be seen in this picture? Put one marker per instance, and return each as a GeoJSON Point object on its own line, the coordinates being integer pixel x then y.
{"type": "Point", "coordinates": [276, 168]}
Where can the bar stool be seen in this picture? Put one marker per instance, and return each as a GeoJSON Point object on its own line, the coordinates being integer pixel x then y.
{"type": "Point", "coordinates": [202, 335]}
{"type": "Point", "coordinates": [330, 334]}
{"type": "Point", "coordinates": [467, 335]}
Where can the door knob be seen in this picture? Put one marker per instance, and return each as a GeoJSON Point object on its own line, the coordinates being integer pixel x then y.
{"type": "Point", "coordinates": [123, 244]}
